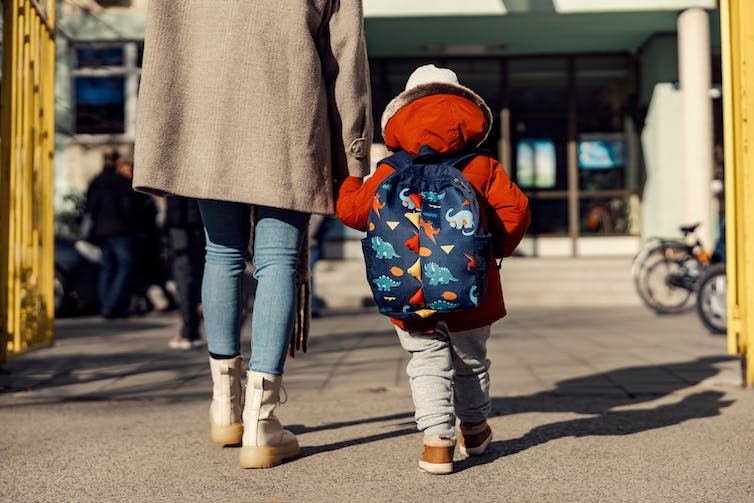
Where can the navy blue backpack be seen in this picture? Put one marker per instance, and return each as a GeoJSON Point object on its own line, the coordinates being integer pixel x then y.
{"type": "Point", "coordinates": [426, 251]}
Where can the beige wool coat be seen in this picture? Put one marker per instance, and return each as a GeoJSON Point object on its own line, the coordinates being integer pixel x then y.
{"type": "Point", "coordinates": [258, 102]}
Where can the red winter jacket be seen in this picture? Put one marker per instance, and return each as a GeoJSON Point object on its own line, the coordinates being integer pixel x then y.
{"type": "Point", "coordinates": [449, 124]}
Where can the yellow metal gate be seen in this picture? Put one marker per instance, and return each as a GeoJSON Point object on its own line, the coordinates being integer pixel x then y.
{"type": "Point", "coordinates": [27, 143]}
{"type": "Point", "coordinates": [738, 94]}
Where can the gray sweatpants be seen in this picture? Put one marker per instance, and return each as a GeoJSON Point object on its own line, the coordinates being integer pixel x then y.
{"type": "Point", "coordinates": [448, 374]}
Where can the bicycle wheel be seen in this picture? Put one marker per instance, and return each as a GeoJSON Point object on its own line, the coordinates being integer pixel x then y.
{"type": "Point", "coordinates": [712, 301]}
{"type": "Point", "coordinates": [656, 278]}
{"type": "Point", "coordinates": [659, 293]}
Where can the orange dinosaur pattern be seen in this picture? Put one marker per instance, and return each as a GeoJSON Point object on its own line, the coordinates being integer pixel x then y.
{"type": "Point", "coordinates": [429, 230]}
{"type": "Point", "coordinates": [377, 205]}
{"type": "Point", "coordinates": [472, 261]}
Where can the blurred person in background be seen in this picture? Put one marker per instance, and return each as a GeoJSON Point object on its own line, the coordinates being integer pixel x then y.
{"type": "Point", "coordinates": [183, 224]}
{"type": "Point", "coordinates": [262, 119]}
{"type": "Point", "coordinates": [320, 227]}
{"type": "Point", "coordinates": [147, 284]}
{"type": "Point", "coordinates": [110, 204]}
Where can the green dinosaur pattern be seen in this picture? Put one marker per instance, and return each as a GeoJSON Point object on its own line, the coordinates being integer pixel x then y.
{"type": "Point", "coordinates": [442, 305]}
{"type": "Point", "coordinates": [385, 284]}
{"type": "Point", "coordinates": [438, 275]}
{"type": "Point", "coordinates": [383, 249]}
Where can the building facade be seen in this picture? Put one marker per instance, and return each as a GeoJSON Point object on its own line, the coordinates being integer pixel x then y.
{"type": "Point", "coordinates": [606, 111]}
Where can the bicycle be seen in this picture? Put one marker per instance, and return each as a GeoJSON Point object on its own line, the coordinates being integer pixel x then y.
{"type": "Point", "coordinates": [666, 271]}
{"type": "Point", "coordinates": [711, 299]}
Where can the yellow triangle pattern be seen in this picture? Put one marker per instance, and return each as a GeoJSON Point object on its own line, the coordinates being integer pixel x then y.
{"type": "Point", "coordinates": [447, 248]}
{"type": "Point", "coordinates": [416, 270]}
{"type": "Point", "coordinates": [392, 225]}
{"type": "Point", "coordinates": [414, 218]}
{"type": "Point", "coordinates": [424, 313]}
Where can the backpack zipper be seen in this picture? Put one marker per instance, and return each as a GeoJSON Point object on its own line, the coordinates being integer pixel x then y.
{"type": "Point", "coordinates": [463, 185]}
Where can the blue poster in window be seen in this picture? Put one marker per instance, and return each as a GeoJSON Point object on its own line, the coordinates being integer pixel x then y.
{"type": "Point", "coordinates": [100, 90]}
{"type": "Point", "coordinates": [535, 163]}
{"type": "Point", "coordinates": [601, 151]}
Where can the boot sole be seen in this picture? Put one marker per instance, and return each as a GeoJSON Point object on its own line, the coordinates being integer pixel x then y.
{"type": "Point", "coordinates": [266, 456]}
{"type": "Point", "coordinates": [226, 434]}
{"type": "Point", "coordinates": [436, 468]}
{"type": "Point", "coordinates": [475, 451]}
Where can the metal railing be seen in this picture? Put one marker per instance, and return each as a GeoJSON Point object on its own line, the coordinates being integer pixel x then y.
{"type": "Point", "coordinates": [27, 144]}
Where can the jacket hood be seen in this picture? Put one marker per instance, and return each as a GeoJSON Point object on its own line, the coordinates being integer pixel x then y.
{"type": "Point", "coordinates": [419, 91]}
{"type": "Point", "coordinates": [447, 123]}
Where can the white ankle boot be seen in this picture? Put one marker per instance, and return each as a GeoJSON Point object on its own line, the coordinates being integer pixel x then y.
{"type": "Point", "coordinates": [265, 442]}
{"type": "Point", "coordinates": [226, 408]}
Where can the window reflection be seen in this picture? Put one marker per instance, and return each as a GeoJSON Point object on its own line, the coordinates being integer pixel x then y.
{"type": "Point", "coordinates": [605, 215]}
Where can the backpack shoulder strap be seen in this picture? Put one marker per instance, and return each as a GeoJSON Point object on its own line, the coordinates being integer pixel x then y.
{"type": "Point", "coordinates": [399, 160]}
{"type": "Point", "coordinates": [460, 161]}
{"type": "Point", "coordinates": [403, 159]}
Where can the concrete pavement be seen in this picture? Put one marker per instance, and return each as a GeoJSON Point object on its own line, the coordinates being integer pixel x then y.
{"type": "Point", "coordinates": [606, 403]}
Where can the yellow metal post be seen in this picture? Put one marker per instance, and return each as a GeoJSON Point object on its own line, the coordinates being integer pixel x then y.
{"type": "Point", "coordinates": [27, 125]}
{"type": "Point", "coordinates": [737, 37]}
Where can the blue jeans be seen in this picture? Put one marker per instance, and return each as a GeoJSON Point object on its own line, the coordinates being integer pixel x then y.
{"type": "Point", "coordinates": [117, 264]}
{"type": "Point", "coordinates": [277, 244]}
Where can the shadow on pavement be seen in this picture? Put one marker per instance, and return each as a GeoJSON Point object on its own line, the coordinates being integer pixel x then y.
{"type": "Point", "coordinates": [141, 363]}
{"type": "Point", "coordinates": [100, 327]}
{"type": "Point", "coordinates": [169, 377]}
{"type": "Point", "coordinates": [300, 428]}
{"type": "Point", "coordinates": [166, 375]}
{"type": "Point", "coordinates": [159, 371]}
{"type": "Point", "coordinates": [595, 394]}
{"type": "Point", "coordinates": [699, 405]}
{"type": "Point", "coordinates": [310, 450]}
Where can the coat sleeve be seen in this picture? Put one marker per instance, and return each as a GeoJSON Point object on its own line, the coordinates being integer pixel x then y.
{"type": "Point", "coordinates": [355, 198]}
{"type": "Point", "coordinates": [91, 193]}
{"type": "Point", "coordinates": [346, 72]}
{"type": "Point", "coordinates": [512, 215]}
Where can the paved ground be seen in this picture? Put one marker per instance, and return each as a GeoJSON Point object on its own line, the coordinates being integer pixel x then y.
{"type": "Point", "coordinates": [604, 404]}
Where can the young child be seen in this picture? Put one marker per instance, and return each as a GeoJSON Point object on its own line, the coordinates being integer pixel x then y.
{"type": "Point", "coordinates": [448, 370]}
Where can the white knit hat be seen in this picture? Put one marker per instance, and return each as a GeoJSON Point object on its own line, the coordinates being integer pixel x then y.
{"type": "Point", "coordinates": [427, 80]}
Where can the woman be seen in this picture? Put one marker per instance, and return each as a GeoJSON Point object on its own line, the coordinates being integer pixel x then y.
{"type": "Point", "coordinates": [238, 112]}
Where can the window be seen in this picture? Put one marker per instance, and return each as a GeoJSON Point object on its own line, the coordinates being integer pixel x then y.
{"type": "Point", "coordinates": [538, 101]}
{"type": "Point", "coordinates": [557, 103]}
{"type": "Point", "coordinates": [565, 125]}
{"type": "Point", "coordinates": [114, 3]}
{"type": "Point", "coordinates": [92, 57]}
{"type": "Point", "coordinates": [105, 78]}
{"type": "Point", "coordinates": [100, 105]}
{"type": "Point", "coordinates": [602, 161]}
{"type": "Point", "coordinates": [535, 164]}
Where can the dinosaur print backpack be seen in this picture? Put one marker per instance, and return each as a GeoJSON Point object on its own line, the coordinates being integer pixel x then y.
{"type": "Point", "coordinates": [425, 249]}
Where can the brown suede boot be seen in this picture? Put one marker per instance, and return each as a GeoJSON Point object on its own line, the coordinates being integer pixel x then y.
{"type": "Point", "coordinates": [226, 407]}
{"type": "Point", "coordinates": [474, 438]}
{"type": "Point", "coordinates": [265, 442]}
{"type": "Point", "coordinates": [437, 456]}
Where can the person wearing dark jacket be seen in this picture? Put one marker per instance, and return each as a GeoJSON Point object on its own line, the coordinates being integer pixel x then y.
{"type": "Point", "coordinates": [110, 204]}
{"type": "Point", "coordinates": [183, 223]}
